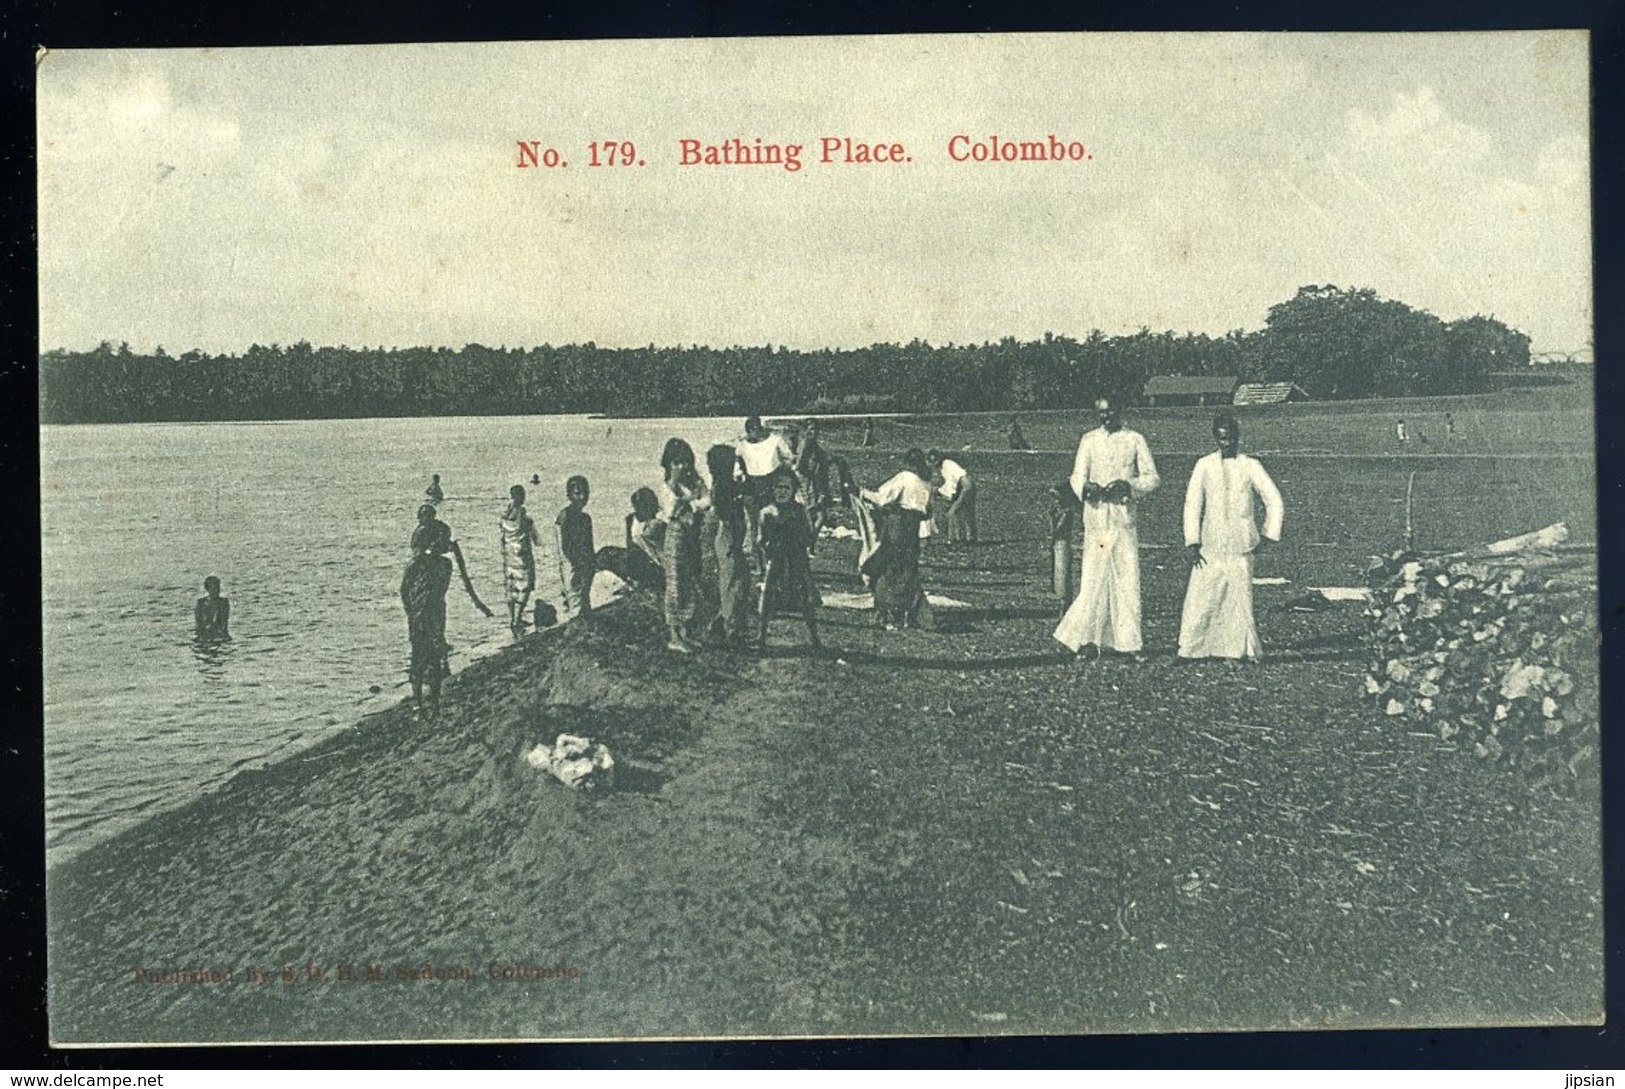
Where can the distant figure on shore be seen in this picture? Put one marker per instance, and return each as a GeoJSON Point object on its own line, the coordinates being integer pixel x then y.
{"type": "Point", "coordinates": [726, 529]}
{"type": "Point", "coordinates": [434, 493]}
{"type": "Point", "coordinates": [1112, 471]}
{"type": "Point", "coordinates": [684, 499]}
{"type": "Point", "coordinates": [1221, 530]}
{"type": "Point", "coordinates": [761, 454]}
{"type": "Point", "coordinates": [577, 560]}
{"type": "Point", "coordinates": [958, 491]}
{"type": "Point", "coordinates": [1449, 428]}
{"type": "Point", "coordinates": [213, 613]}
{"type": "Point", "coordinates": [423, 593]}
{"type": "Point", "coordinates": [1013, 434]}
{"type": "Point", "coordinates": [868, 431]}
{"type": "Point", "coordinates": [1400, 432]}
{"type": "Point", "coordinates": [787, 582]}
{"type": "Point", "coordinates": [1062, 521]}
{"type": "Point", "coordinates": [895, 565]}
{"type": "Point", "coordinates": [519, 538]}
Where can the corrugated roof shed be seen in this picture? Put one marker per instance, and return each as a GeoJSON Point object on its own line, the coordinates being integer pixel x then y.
{"type": "Point", "coordinates": [1188, 385]}
{"type": "Point", "coordinates": [1267, 393]}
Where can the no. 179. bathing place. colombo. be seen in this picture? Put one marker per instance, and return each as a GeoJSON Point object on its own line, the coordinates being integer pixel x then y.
{"type": "Point", "coordinates": [991, 150]}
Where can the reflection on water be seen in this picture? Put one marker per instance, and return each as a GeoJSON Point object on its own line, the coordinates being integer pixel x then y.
{"type": "Point", "coordinates": [212, 653]}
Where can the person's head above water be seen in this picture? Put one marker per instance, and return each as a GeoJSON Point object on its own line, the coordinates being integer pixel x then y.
{"type": "Point", "coordinates": [577, 490]}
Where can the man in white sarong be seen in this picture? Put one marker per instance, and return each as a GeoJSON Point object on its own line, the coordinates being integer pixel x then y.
{"type": "Point", "coordinates": [1221, 530]}
{"type": "Point", "coordinates": [1111, 474]}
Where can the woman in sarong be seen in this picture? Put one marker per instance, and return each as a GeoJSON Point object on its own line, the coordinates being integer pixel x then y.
{"type": "Point", "coordinates": [725, 527]}
{"type": "Point", "coordinates": [519, 538]}
{"type": "Point", "coordinates": [684, 499]}
{"type": "Point", "coordinates": [812, 479]}
{"type": "Point", "coordinates": [787, 581]}
{"type": "Point", "coordinates": [895, 565]}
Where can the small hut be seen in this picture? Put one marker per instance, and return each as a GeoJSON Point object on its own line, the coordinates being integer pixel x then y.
{"type": "Point", "coordinates": [1189, 389]}
{"type": "Point", "coordinates": [1269, 393]}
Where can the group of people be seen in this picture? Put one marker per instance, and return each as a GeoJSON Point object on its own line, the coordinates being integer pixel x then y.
{"type": "Point", "coordinates": [1111, 474]}
{"type": "Point", "coordinates": [573, 552]}
{"type": "Point", "coordinates": [763, 508]}
{"type": "Point", "coordinates": [759, 515]}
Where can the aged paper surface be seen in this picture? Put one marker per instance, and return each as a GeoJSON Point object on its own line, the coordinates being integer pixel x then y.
{"type": "Point", "coordinates": [303, 309]}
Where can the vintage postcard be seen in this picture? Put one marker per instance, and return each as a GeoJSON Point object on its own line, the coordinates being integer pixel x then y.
{"type": "Point", "coordinates": [1010, 534]}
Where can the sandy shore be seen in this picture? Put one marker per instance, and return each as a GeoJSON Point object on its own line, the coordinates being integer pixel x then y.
{"type": "Point", "coordinates": [949, 832]}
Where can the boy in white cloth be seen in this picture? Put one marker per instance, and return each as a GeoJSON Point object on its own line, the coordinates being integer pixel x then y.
{"type": "Point", "coordinates": [762, 453]}
{"type": "Point", "coordinates": [1221, 530]}
{"type": "Point", "coordinates": [1113, 471]}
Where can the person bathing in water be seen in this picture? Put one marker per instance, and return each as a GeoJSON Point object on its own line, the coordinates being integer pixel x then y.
{"type": "Point", "coordinates": [213, 612]}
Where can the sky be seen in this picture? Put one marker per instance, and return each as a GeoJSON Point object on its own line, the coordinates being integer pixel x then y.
{"type": "Point", "coordinates": [214, 199]}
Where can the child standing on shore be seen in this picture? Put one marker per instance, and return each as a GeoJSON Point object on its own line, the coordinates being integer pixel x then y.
{"type": "Point", "coordinates": [1062, 519]}
{"type": "Point", "coordinates": [577, 560]}
{"type": "Point", "coordinates": [518, 533]}
{"type": "Point", "coordinates": [786, 541]}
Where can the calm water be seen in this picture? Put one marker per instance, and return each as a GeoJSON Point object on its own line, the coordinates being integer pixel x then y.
{"type": "Point", "coordinates": [306, 524]}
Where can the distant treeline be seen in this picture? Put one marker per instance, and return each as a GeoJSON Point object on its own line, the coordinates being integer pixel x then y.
{"type": "Point", "coordinates": [1333, 342]}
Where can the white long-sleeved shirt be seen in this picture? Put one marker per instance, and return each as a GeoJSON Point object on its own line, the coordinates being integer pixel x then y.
{"type": "Point", "coordinates": [905, 489]}
{"type": "Point", "coordinates": [953, 476]}
{"type": "Point", "coordinates": [1219, 511]}
{"type": "Point", "coordinates": [1105, 456]}
{"type": "Point", "coordinates": [763, 457]}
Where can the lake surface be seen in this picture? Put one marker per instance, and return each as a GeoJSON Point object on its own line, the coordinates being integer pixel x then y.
{"type": "Point", "coordinates": [306, 523]}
